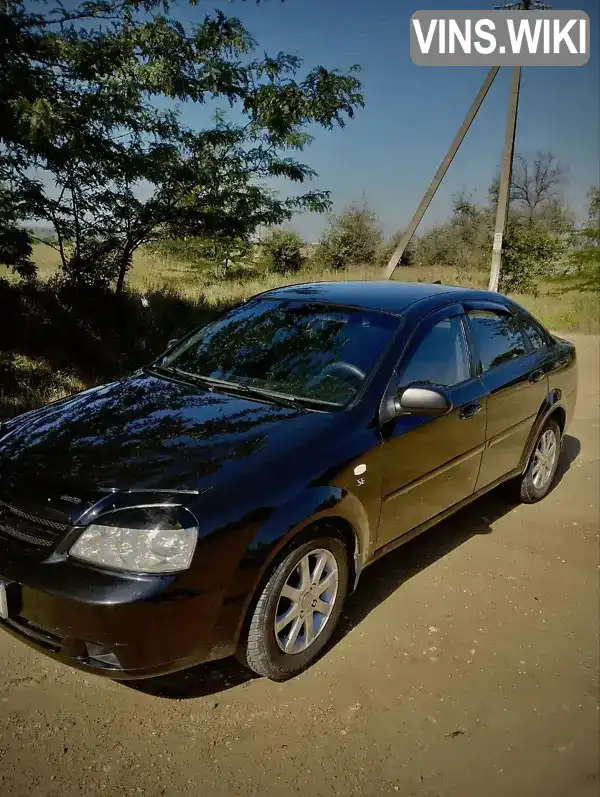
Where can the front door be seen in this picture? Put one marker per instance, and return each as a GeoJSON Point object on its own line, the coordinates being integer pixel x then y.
{"type": "Point", "coordinates": [515, 379]}
{"type": "Point", "coordinates": [430, 464]}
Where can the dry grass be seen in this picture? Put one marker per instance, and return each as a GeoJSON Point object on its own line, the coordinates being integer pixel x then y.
{"type": "Point", "coordinates": [560, 305]}
{"type": "Point", "coordinates": [51, 353]}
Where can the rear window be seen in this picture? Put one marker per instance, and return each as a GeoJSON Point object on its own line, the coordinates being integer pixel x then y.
{"type": "Point", "coordinates": [534, 331]}
{"type": "Point", "coordinates": [498, 337]}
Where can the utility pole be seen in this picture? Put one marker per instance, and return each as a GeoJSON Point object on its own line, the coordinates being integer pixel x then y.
{"type": "Point", "coordinates": [507, 160]}
{"type": "Point", "coordinates": [435, 183]}
{"type": "Point", "coordinates": [505, 179]}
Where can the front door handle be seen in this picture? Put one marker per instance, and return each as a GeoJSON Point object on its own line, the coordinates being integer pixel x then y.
{"type": "Point", "coordinates": [536, 376]}
{"type": "Point", "coordinates": [470, 410]}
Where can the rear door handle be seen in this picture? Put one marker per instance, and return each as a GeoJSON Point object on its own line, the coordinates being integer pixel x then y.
{"type": "Point", "coordinates": [536, 376]}
{"type": "Point", "coordinates": [470, 411]}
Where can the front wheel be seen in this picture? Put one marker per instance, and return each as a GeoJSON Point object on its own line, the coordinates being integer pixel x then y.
{"type": "Point", "coordinates": [298, 609]}
{"type": "Point", "coordinates": [538, 477]}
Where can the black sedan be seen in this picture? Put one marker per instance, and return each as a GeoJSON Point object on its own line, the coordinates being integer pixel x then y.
{"type": "Point", "coordinates": [226, 498]}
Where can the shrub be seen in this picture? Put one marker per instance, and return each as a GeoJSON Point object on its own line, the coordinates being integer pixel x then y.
{"type": "Point", "coordinates": [353, 238]}
{"type": "Point", "coordinates": [282, 251]}
{"type": "Point", "coordinates": [530, 254]}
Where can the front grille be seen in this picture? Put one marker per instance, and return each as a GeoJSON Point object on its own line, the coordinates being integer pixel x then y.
{"type": "Point", "coordinates": [36, 520]}
{"type": "Point", "coordinates": [29, 528]}
{"type": "Point", "coordinates": [31, 539]}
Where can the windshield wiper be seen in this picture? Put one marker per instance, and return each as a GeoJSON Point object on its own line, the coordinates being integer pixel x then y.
{"type": "Point", "coordinates": [212, 383]}
{"type": "Point", "coordinates": [206, 381]}
{"type": "Point", "coordinates": [278, 398]}
{"type": "Point", "coordinates": [293, 401]}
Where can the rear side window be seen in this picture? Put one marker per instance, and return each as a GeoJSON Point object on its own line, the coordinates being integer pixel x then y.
{"type": "Point", "coordinates": [441, 358]}
{"type": "Point", "coordinates": [498, 337]}
{"type": "Point", "coordinates": [533, 332]}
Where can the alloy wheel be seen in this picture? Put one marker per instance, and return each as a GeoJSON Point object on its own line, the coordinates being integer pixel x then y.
{"type": "Point", "coordinates": [544, 459]}
{"type": "Point", "coordinates": [306, 601]}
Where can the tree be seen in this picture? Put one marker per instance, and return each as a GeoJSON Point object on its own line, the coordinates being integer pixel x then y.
{"type": "Point", "coordinates": [283, 251]}
{"type": "Point", "coordinates": [594, 212]}
{"type": "Point", "coordinates": [390, 247]}
{"type": "Point", "coordinates": [536, 191]}
{"type": "Point", "coordinates": [88, 98]}
{"type": "Point", "coordinates": [586, 257]}
{"type": "Point", "coordinates": [463, 242]}
{"type": "Point", "coordinates": [530, 253]}
{"type": "Point", "coordinates": [353, 238]}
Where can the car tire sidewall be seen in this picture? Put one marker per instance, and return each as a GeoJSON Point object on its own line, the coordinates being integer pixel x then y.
{"type": "Point", "coordinates": [529, 492]}
{"type": "Point", "coordinates": [287, 664]}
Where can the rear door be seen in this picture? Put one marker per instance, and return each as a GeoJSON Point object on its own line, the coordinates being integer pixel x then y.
{"type": "Point", "coordinates": [430, 464]}
{"type": "Point", "coordinates": [514, 375]}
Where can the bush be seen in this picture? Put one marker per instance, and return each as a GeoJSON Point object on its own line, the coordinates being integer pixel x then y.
{"type": "Point", "coordinates": [389, 247]}
{"type": "Point", "coordinates": [282, 251]}
{"type": "Point", "coordinates": [530, 254]}
{"type": "Point", "coordinates": [58, 339]}
{"type": "Point", "coordinates": [464, 242]}
{"type": "Point", "coordinates": [353, 238]}
{"type": "Point", "coordinates": [216, 256]}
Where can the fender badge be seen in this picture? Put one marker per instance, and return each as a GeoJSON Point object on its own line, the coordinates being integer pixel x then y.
{"type": "Point", "coordinates": [70, 499]}
{"type": "Point", "coordinates": [360, 469]}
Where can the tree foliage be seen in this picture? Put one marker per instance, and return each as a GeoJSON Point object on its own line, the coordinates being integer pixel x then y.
{"type": "Point", "coordinates": [462, 242]}
{"type": "Point", "coordinates": [529, 255]}
{"type": "Point", "coordinates": [586, 257]}
{"type": "Point", "coordinates": [90, 97]}
{"type": "Point", "coordinates": [282, 250]}
{"type": "Point", "coordinates": [353, 237]}
{"type": "Point", "coordinates": [536, 191]}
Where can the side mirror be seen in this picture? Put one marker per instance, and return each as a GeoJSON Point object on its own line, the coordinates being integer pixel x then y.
{"type": "Point", "coordinates": [430, 401]}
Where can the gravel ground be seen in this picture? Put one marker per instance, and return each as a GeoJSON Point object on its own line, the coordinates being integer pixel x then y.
{"type": "Point", "coordinates": [467, 665]}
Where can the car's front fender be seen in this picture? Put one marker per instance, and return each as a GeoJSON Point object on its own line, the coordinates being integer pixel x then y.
{"type": "Point", "coordinates": [282, 526]}
{"type": "Point", "coordinates": [307, 508]}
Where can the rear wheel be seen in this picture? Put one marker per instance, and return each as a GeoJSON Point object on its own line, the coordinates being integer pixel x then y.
{"type": "Point", "coordinates": [298, 609]}
{"type": "Point", "coordinates": [538, 478]}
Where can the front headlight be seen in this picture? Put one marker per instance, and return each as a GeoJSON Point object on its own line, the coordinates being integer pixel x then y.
{"type": "Point", "coordinates": [167, 547]}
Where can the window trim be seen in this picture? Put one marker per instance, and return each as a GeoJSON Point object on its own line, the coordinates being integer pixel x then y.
{"type": "Point", "coordinates": [425, 325]}
{"type": "Point", "coordinates": [500, 309]}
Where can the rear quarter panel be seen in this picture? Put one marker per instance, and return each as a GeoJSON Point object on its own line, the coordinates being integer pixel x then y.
{"type": "Point", "coordinates": [562, 376]}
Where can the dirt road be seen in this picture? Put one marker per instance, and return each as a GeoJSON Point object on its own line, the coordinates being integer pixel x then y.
{"type": "Point", "coordinates": [467, 666]}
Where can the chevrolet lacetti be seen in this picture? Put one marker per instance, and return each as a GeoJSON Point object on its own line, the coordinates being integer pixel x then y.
{"type": "Point", "coordinates": [226, 498]}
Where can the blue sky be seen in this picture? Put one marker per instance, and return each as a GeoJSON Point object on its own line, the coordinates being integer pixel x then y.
{"type": "Point", "coordinates": [392, 148]}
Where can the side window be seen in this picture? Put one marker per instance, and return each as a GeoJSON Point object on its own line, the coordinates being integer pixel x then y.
{"type": "Point", "coordinates": [533, 332]}
{"type": "Point", "coordinates": [498, 337]}
{"type": "Point", "coordinates": [441, 358]}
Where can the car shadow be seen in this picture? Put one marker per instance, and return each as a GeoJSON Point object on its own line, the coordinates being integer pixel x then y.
{"type": "Point", "coordinates": [200, 681]}
{"type": "Point", "coordinates": [571, 448]}
{"type": "Point", "coordinates": [384, 577]}
{"type": "Point", "coordinates": [376, 584]}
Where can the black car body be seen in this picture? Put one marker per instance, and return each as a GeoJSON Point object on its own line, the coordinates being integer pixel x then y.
{"type": "Point", "coordinates": [252, 474]}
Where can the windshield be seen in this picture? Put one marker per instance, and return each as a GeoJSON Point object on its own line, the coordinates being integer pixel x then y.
{"type": "Point", "coordinates": [302, 350]}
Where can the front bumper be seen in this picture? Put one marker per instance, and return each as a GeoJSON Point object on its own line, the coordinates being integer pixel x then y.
{"type": "Point", "coordinates": [118, 626]}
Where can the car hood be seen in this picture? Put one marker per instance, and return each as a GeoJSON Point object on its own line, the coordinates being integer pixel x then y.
{"type": "Point", "coordinates": [151, 432]}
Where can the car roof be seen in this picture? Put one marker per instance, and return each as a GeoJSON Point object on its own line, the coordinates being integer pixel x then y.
{"type": "Point", "coordinates": [387, 296]}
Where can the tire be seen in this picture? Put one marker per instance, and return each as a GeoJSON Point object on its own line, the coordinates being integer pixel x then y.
{"type": "Point", "coordinates": [541, 470]}
{"type": "Point", "coordinates": [264, 651]}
